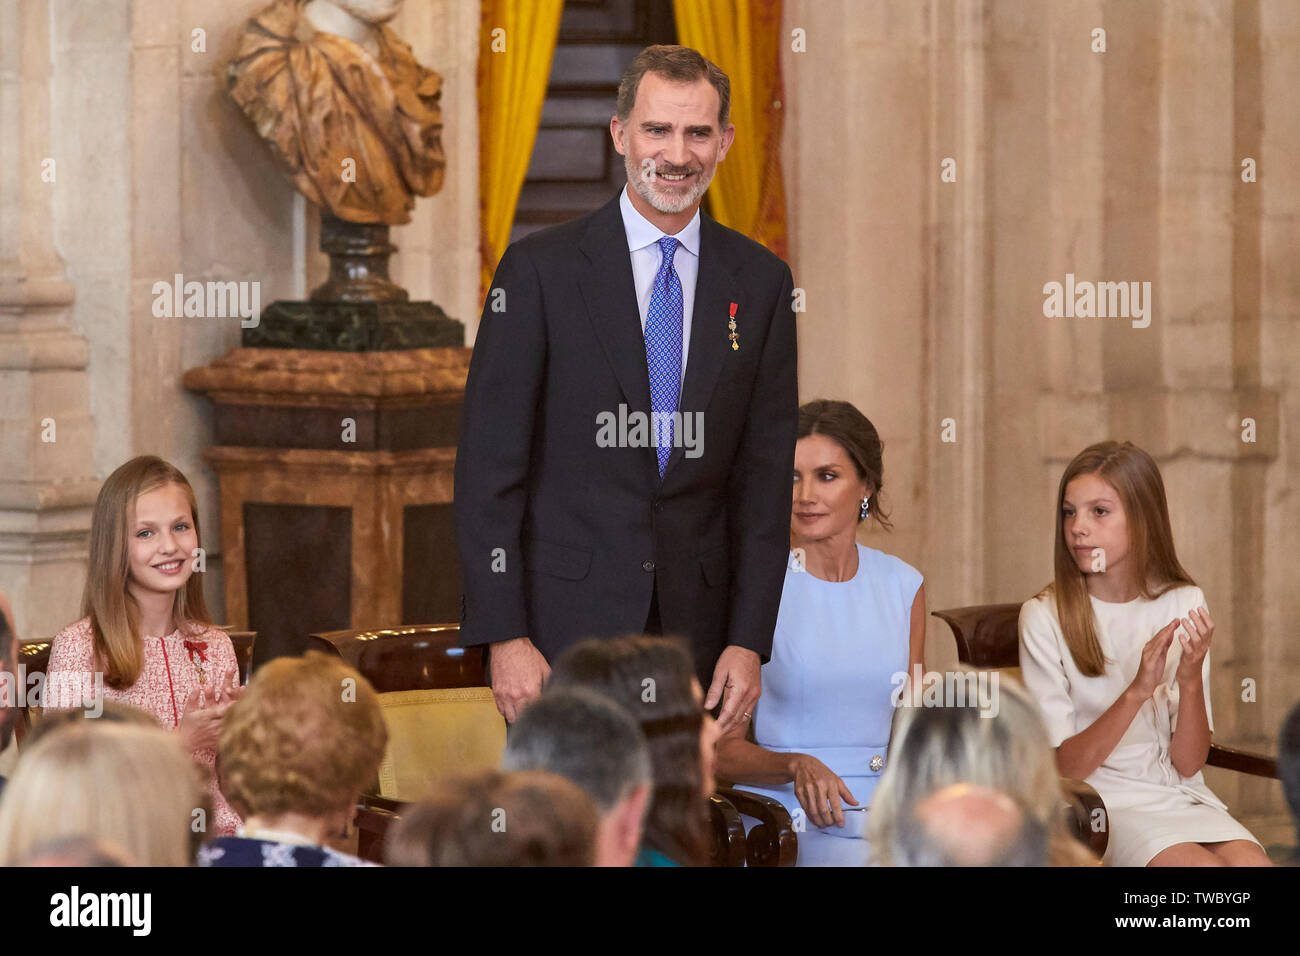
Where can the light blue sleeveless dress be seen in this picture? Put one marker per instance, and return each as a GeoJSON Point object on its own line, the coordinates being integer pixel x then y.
{"type": "Point", "coordinates": [839, 651]}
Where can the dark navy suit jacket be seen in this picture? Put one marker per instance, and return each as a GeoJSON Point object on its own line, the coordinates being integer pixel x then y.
{"type": "Point", "coordinates": [560, 538]}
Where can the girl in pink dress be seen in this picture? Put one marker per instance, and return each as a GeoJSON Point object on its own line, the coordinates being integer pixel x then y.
{"type": "Point", "coordinates": [146, 639]}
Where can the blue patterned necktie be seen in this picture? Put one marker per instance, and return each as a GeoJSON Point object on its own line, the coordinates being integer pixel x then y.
{"type": "Point", "coordinates": [663, 350]}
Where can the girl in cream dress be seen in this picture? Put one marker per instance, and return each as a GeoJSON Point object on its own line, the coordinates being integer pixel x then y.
{"type": "Point", "coordinates": [1116, 652]}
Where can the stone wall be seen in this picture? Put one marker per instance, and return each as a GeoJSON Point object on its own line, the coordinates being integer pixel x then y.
{"type": "Point", "coordinates": [157, 172]}
{"type": "Point", "coordinates": [926, 297]}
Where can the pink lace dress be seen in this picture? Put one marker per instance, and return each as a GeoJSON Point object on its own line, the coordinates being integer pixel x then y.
{"type": "Point", "coordinates": [169, 674]}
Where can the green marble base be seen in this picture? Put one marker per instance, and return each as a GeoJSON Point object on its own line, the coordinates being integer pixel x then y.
{"type": "Point", "coordinates": [354, 327]}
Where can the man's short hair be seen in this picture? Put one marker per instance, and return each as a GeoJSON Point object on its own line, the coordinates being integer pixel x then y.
{"type": "Point", "coordinates": [679, 63]}
{"type": "Point", "coordinates": [493, 818]}
{"type": "Point", "coordinates": [584, 737]}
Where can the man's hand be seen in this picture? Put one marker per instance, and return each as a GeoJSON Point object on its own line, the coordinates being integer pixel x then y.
{"type": "Point", "coordinates": [736, 682]}
{"type": "Point", "coordinates": [518, 672]}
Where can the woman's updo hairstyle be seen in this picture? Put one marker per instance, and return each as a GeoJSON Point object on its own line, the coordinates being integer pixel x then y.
{"type": "Point", "coordinates": [859, 439]}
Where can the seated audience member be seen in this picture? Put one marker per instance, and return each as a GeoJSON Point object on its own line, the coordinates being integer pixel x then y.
{"type": "Point", "coordinates": [530, 818]}
{"type": "Point", "coordinates": [74, 851]}
{"type": "Point", "coordinates": [653, 679]}
{"type": "Point", "coordinates": [1288, 768]}
{"type": "Point", "coordinates": [1007, 751]}
{"type": "Point", "coordinates": [850, 625]}
{"type": "Point", "coordinates": [145, 625]}
{"type": "Point", "coordinates": [1116, 652]}
{"type": "Point", "coordinates": [128, 785]}
{"type": "Point", "coordinates": [588, 739]}
{"type": "Point", "coordinates": [111, 711]}
{"type": "Point", "coordinates": [295, 754]}
{"type": "Point", "coordinates": [10, 712]}
{"type": "Point", "coordinates": [966, 825]}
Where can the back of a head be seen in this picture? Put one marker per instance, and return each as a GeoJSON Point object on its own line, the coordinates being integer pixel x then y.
{"type": "Point", "coordinates": [497, 819]}
{"type": "Point", "coordinates": [1006, 750]}
{"type": "Point", "coordinates": [968, 825]}
{"type": "Point", "coordinates": [1288, 762]}
{"type": "Point", "coordinates": [307, 737]}
{"type": "Point", "coordinates": [110, 711]}
{"type": "Point", "coordinates": [653, 679]}
{"type": "Point", "coordinates": [129, 785]}
{"type": "Point", "coordinates": [585, 738]}
{"type": "Point", "coordinates": [78, 851]}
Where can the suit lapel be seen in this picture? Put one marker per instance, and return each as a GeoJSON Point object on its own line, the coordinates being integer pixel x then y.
{"type": "Point", "coordinates": [609, 292]}
{"type": "Point", "coordinates": [715, 290]}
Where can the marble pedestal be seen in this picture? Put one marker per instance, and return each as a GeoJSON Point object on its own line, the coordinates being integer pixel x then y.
{"type": "Point", "coordinates": [336, 476]}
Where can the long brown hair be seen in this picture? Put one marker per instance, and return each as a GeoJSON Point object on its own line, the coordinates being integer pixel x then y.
{"type": "Point", "coordinates": [677, 823]}
{"type": "Point", "coordinates": [1136, 479]}
{"type": "Point", "coordinates": [113, 612]}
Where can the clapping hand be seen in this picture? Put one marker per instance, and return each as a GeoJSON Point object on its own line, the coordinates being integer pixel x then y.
{"type": "Point", "coordinates": [201, 724]}
{"type": "Point", "coordinates": [1151, 671]}
{"type": "Point", "coordinates": [1198, 629]}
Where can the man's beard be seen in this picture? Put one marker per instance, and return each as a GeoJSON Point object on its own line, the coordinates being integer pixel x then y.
{"type": "Point", "coordinates": [665, 203]}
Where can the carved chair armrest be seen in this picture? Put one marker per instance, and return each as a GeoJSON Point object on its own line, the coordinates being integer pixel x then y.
{"type": "Point", "coordinates": [373, 823]}
{"type": "Point", "coordinates": [1243, 761]}
{"type": "Point", "coordinates": [1080, 808]}
{"type": "Point", "coordinates": [728, 833]}
{"type": "Point", "coordinates": [772, 841]}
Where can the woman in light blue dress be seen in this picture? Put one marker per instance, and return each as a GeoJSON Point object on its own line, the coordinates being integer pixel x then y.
{"type": "Point", "coordinates": [850, 628]}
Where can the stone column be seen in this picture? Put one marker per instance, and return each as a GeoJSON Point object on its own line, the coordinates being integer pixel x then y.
{"type": "Point", "coordinates": [47, 484]}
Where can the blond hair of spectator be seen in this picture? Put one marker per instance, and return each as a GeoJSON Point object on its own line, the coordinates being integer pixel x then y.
{"type": "Point", "coordinates": [129, 785]}
{"type": "Point", "coordinates": [306, 739]}
{"type": "Point", "coordinates": [934, 747]}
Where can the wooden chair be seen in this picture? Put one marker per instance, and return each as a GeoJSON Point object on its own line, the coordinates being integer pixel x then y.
{"type": "Point", "coordinates": [440, 713]}
{"type": "Point", "coordinates": [375, 818]}
{"type": "Point", "coordinates": [772, 841]}
{"type": "Point", "coordinates": [988, 636]}
{"type": "Point", "coordinates": [244, 642]}
{"type": "Point", "coordinates": [34, 658]}
{"type": "Point", "coordinates": [728, 832]}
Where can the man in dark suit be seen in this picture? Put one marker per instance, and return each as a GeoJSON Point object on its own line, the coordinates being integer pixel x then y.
{"type": "Point", "coordinates": [628, 437]}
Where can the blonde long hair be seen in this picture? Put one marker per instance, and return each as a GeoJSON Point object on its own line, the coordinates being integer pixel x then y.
{"type": "Point", "coordinates": [1136, 479]}
{"type": "Point", "coordinates": [113, 612]}
{"type": "Point", "coordinates": [129, 785]}
{"type": "Point", "coordinates": [934, 747]}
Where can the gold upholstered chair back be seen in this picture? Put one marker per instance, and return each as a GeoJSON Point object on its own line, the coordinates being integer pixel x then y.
{"type": "Point", "coordinates": [441, 718]}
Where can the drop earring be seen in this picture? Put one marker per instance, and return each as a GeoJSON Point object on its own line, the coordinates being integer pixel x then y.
{"type": "Point", "coordinates": [866, 506]}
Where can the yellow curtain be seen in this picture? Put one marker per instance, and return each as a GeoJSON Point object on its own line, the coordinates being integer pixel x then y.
{"type": "Point", "coordinates": [516, 41]}
{"type": "Point", "coordinates": [743, 37]}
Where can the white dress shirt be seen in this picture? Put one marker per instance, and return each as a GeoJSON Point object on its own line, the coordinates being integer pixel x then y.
{"type": "Point", "coordinates": [643, 246]}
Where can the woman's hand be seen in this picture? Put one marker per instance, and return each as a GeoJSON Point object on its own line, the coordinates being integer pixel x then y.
{"type": "Point", "coordinates": [1196, 644]}
{"type": "Point", "coordinates": [201, 725]}
{"type": "Point", "coordinates": [819, 791]}
{"type": "Point", "coordinates": [227, 689]}
{"type": "Point", "coordinates": [1152, 669]}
